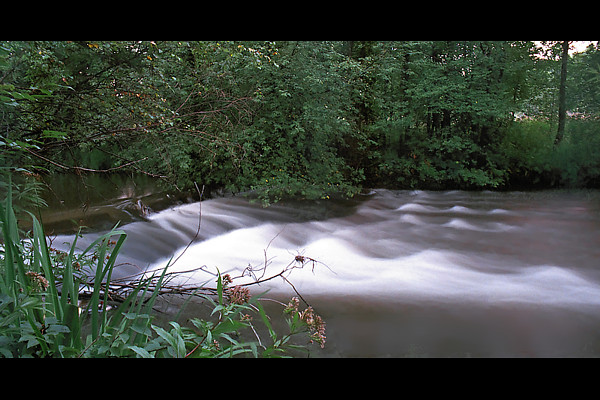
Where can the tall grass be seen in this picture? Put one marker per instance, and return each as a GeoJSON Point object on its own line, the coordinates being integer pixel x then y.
{"type": "Point", "coordinates": [41, 314]}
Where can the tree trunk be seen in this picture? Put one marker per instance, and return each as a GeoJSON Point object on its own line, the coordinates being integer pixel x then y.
{"type": "Point", "coordinates": [562, 99]}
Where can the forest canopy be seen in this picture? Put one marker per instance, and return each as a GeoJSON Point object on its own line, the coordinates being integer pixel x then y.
{"type": "Point", "coordinates": [308, 119]}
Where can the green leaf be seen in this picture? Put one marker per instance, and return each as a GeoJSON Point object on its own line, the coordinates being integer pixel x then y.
{"type": "Point", "coordinates": [164, 334]}
{"type": "Point", "coordinates": [50, 134]}
{"type": "Point", "coordinates": [266, 321]}
{"type": "Point", "coordinates": [176, 342]}
{"type": "Point", "coordinates": [229, 325]}
{"type": "Point", "coordinates": [56, 329]}
{"type": "Point", "coordinates": [141, 352]}
{"type": "Point", "coordinates": [217, 309]}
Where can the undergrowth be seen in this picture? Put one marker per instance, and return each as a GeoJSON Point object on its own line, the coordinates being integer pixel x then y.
{"type": "Point", "coordinates": [56, 304]}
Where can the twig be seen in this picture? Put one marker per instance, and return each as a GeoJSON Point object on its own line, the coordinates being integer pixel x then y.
{"type": "Point", "coordinates": [199, 223]}
{"type": "Point", "coordinates": [82, 168]}
{"type": "Point", "coordinates": [294, 287]}
{"type": "Point", "coordinates": [118, 288]}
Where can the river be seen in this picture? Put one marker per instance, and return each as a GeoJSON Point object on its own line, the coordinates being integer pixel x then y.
{"type": "Point", "coordinates": [392, 273]}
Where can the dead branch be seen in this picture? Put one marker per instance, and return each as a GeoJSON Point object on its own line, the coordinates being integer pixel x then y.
{"type": "Point", "coordinates": [79, 169]}
{"type": "Point", "coordinates": [118, 289]}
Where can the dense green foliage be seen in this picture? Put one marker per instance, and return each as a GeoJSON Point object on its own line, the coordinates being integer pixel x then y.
{"type": "Point", "coordinates": [309, 119]}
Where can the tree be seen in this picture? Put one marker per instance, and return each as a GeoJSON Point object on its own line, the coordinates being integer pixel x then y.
{"type": "Point", "coordinates": [562, 96]}
{"type": "Point", "coordinates": [302, 122]}
{"type": "Point", "coordinates": [584, 81]}
{"type": "Point", "coordinates": [442, 110]}
{"type": "Point", "coordinates": [160, 108]}
{"type": "Point", "coordinates": [288, 118]}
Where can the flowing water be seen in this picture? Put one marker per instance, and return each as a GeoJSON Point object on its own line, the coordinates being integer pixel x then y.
{"type": "Point", "coordinates": [403, 273]}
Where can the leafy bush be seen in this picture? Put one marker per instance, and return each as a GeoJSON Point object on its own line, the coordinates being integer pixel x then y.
{"type": "Point", "coordinates": [577, 157]}
{"type": "Point", "coordinates": [296, 118]}
{"type": "Point", "coordinates": [532, 159]}
{"type": "Point", "coordinates": [527, 150]}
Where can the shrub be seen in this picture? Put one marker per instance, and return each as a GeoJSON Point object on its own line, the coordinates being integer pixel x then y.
{"type": "Point", "coordinates": [577, 157]}
{"type": "Point", "coordinates": [527, 151]}
{"type": "Point", "coordinates": [532, 159]}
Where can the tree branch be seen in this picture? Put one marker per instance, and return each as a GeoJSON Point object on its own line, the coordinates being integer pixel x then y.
{"type": "Point", "coordinates": [87, 169]}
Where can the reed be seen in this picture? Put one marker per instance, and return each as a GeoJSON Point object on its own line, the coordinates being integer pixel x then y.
{"type": "Point", "coordinates": [41, 314]}
{"type": "Point", "coordinates": [40, 307]}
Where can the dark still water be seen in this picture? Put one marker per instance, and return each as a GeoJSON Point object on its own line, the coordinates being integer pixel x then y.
{"type": "Point", "coordinates": [406, 273]}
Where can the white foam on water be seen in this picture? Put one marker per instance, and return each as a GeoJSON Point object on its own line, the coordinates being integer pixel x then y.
{"type": "Point", "coordinates": [444, 275]}
{"type": "Point", "coordinates": [341, 268]}
{"type": "Point", "coordinates": [462, 210]}
{"type": "Point", "coordinates": [499, 211]}
{"type": "Point", "coordinates": [411, 219]}
{"type": "Point", "coordinates": [407, 250]}
{"type": "Point", "coordinates": [415, 207]}
{"type": "Point", "coordinates": [460, 223]}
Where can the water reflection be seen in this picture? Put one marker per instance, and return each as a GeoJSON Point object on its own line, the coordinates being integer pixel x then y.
{"type": "Point", "coordinates": [99, 201]}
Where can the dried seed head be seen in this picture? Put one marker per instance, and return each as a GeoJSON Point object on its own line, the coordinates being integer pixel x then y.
{"type": "Point", "coordinates": [315, 324]}
{"type": "Point", "coordinates": [38, 282]}
{"type": "Point", "coordinates": [239, 295]}
{"type": "Point", "coordinates": [292, 306]}
{"type": "Point", "coordinates": [226, 279]}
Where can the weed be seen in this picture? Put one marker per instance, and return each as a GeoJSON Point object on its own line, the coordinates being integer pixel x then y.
{"type": "Point", "coordinates": [49, 307]}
